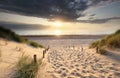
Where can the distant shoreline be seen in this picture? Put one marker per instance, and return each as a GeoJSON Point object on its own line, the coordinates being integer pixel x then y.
{"type": "Point", "coordinates": [66, 36]}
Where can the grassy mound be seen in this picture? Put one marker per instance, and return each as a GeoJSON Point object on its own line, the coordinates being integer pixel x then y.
{"type": "Point", "coordinates": [111, 41]}
{"type": "Point", "coordinates": [9, 35]}
{"type": "Point", "coordinates": [101, 50]}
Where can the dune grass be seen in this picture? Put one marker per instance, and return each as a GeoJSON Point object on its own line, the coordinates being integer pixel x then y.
{"type": "Point", "coordinates": [27, 68]}
{"type": "Point", "coordinates": [10, 35]}
{"type": "Point", "coordinates": [101, 50]}
{"type": "Point", "coordinates": [111, 41]}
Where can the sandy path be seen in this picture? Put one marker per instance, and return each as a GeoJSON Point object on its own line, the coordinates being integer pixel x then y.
{"type": "Point", "coordinates": [73, 62]}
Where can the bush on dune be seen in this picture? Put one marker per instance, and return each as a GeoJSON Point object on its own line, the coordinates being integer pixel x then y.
{"type": "Point", "coordinates": [111, 41]}
{"type": "Point", "coordinates": [94, 44]}
{"type": "Point", "coordinates": [117, 32]}
{"type": "Point", "coordinates": [9, 35]}
{"type": "Point", "coordinates": [20, 39]}
{"type": "Point", "coordinates": [34, 44]}
{"type": "Point", "coordinates": [101, 51]}
{"type": "Point", "coordinates": [114, 41]}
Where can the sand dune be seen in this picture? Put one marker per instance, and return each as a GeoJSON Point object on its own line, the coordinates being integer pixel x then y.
{"type": "Point", "coordinates": [10, 52]}
{"type": "Point", "coordinates": [64, 59]}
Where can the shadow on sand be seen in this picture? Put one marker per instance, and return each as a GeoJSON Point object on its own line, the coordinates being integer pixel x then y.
{"type": "Point", "coordinates": [113, 55]}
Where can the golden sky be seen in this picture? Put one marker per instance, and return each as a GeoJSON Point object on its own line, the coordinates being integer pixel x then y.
{"type": "Point", "coordinates": [106, 20]}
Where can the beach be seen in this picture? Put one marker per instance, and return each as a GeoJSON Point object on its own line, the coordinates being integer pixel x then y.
{"type": "Point", "coordinates": [66, 58]}
{"type": "Point", "coordinates": [59, 38]}
{"type": "Point", "coordinates": [72, 58]}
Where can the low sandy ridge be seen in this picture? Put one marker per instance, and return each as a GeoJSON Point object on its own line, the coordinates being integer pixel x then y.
{"type": "Point", "coordinates": [10, 52]}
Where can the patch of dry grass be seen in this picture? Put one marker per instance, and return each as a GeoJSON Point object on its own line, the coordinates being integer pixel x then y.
{"type": "Point", "coordinates": [27, 68]}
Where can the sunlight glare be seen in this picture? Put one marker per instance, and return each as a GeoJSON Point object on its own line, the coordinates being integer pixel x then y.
{"type": "Point", "coordinates": [57, 24]}
{"type": "Point", "coordinates": [57, 32]}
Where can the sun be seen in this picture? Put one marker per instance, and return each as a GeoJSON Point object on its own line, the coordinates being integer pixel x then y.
{"type": "Point", "coordinates": [57, 24]}
{"type": "Point", "coordinates": [57, 32]}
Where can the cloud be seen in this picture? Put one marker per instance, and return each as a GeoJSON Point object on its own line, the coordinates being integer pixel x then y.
{"type": "Point", "coordinates": [100, 2]}
{"type": "Point", "coordinates": [99, 21]}
{"type": "Point", "coordinates": [45, 8]}
{"type": "Point", "coordinates": [51, 9]}
{"type": "Point", "coordinates": [20, 26]}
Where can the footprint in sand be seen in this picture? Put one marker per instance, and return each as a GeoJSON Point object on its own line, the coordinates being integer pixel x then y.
{"type": "Point", "coordinates": [63, 72]}
{"type": "Point", "coordinates": [85, 71]}
{"type": "Point", "coordinates": [63, 75]}
{"type": "Point", "coordinates": [75, 74]}
{"type": "Point", "coordinates": [92, 76]}
{"type": "Point", "coordinates": [77, 69]}
{"type": "Point", "coordinates": [77, 64]}
{"type": "Point", "coordinates": [113, 69]}
{"type": "Point", "coordinates": [117, 74]}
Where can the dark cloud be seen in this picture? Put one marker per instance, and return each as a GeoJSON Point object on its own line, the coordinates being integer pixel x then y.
{"type": "Point", "coordinates": [99, 21]}
{"type": "Point", "coordinates": [20, 26]}
{"type": "Point", "coordinates": [62, 9]}
{"type": "Point", "coordinates": [45, 8]}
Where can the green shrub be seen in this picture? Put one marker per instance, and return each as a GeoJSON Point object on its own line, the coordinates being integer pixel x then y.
{"type": "Point", "coordinates": [102, 51]}
{"type": "Point", "coordinates": [94, 44]}
{"type": "Point", "coordinates": [8, 34]}
{"type": "Point", "coordinates": [27, 68]}
{"type": "Point", "coordinates": [114, 42]}
{"type": "Point", "coordinates": [102, 43]}
{"type": "Point", "coordinates": [117, 32]}
{"type": "Point", "coordinates": [20, 39]}
{"type": "Point", "coordinates": [110, 41]}
{"type": "Point", "coordinates": [34, 44]}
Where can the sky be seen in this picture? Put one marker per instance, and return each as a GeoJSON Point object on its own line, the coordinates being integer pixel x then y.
{"type": "Point", "coordinates": [60, 17]}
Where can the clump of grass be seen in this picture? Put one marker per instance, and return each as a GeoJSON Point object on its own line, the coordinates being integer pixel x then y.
{"type": "Point", "coordinates": [10, 35]}
{"type": "Point", "coordinates": [101, 51]}
{"type": "Point", "coordinates": [35, 44]}
{"type": "Point", "coordinates": [94, 44]}
{"type": "Point", "coordinates": [111, 41]}
{"type": "Point", "coordinates": [27, 68]}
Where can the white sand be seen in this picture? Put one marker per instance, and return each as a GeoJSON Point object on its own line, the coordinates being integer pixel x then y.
{"type": "Point", "coordinates": [65, 59]}
{"type": "Point", "coordinates": [69, 61]}
{"type": "Point", "coordinates": [10, 52]}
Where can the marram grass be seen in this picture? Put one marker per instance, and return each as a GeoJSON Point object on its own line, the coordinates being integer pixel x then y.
{"type": "Point", "coordinates": [27, 68]}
